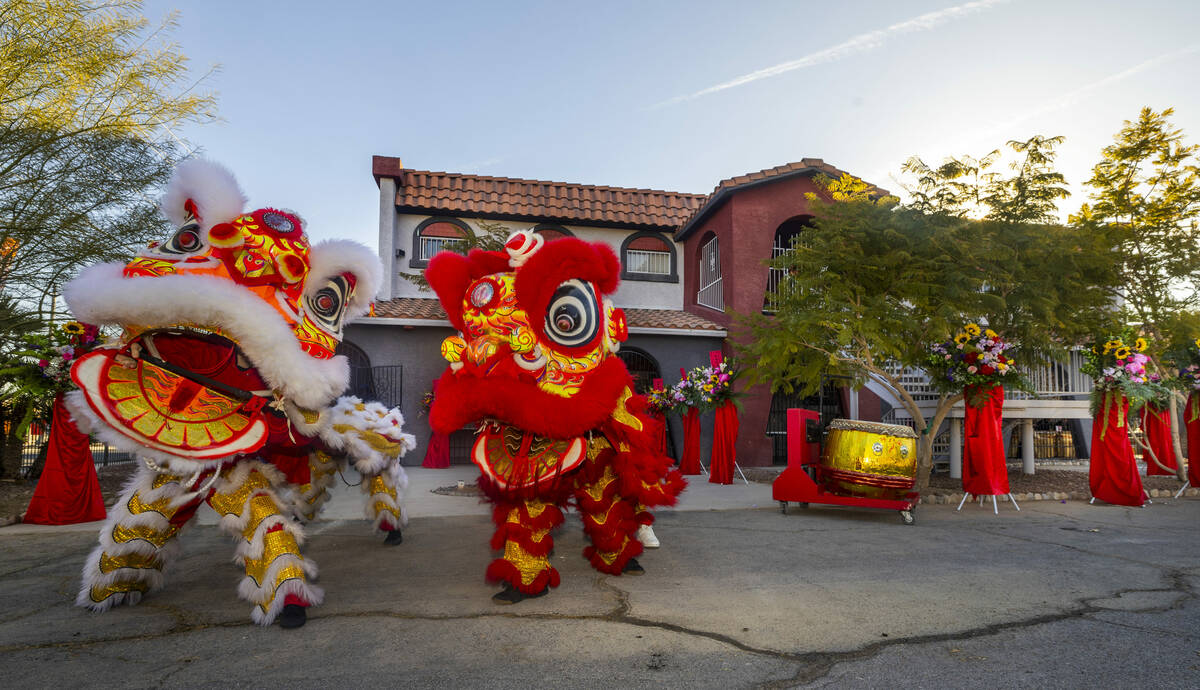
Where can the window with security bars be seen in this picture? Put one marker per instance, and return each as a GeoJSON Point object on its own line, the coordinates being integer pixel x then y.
{"type": "Point", "coordinates": [710, 294]}
{"type": "Point", "coordinates": [642, 261]}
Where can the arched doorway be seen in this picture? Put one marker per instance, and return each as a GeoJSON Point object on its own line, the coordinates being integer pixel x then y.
{"type": "Point", "coordinates": [785, 235]}
{"type": "Point", "coordinates": [643, 369]}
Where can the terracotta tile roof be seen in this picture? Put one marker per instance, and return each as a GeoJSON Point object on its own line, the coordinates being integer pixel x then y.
{"type": "Point", "coordinates": [506, 197]}
{"type": "Point", "coordinates": [808, 166]}
{"type": "Point", "coordinates": [430, 309]}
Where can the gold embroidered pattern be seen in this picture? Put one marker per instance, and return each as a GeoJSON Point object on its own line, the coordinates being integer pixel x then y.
{"type": "Point", "coordinates": [122, 534]}
{"type": "Point", "coordinates": [596, 491]}
{"type": "Point", "coordinates": [99, 594]}
{"type": "Point", "coordinates": [596, 446]}
{"type": "Point", "coordinates": [527, 564]}
{"type": "Point", "coordinates": [130, 560]}
{"type": "Point", "coordinates": [622, 415]}
{"type": "Point", "coordinates": [231, 503]}
{"type": "Point", "coordinates": [379, 486]}
{"type": "Point", "coordinates": [275, 544]}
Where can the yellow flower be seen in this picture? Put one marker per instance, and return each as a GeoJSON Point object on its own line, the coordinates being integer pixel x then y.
{"type": "Point", "coordinates": [962, 338]}
{"type": "Point", "coordinates": [971, 329]}
{"type": "Point", "coordinates": [73, 328]}
{"type": "Point", "coordinates": [1140, 344]}
{"type": "Point", "coordinates": [1122, 352]}
{"type": "Point", "coordinates": [1111, 345]}
{"type": "Point", "coordinates": [1197, 342]}
{"type": "Point", "coordinates": [990, 333]}
{"type": "Point", "coordinates": [1001, 367]}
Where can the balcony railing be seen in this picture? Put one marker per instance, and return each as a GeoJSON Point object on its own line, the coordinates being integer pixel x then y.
{"type": "Point", "coordinates": [1053, 380]}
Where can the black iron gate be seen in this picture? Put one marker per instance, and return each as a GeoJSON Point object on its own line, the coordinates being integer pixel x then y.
{"type": "Point", "coordinates": [827, 401]}
{"type": "Point", "coordinates": [382, 384]}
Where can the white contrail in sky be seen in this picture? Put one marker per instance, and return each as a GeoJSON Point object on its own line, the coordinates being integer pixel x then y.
{"type": "Point", "coordinates": [857, 44]}
{"type": "Point", "coordinates": [1073, 96]}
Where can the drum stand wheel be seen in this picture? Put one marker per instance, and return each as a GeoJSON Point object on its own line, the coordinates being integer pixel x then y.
{"type": "Point", "coordinates": [907, 517]}
{"type": "Point", "coordinates": [783, 506]}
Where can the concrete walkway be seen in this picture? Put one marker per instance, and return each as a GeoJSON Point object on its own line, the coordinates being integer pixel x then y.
{"type": "Point", "coordinates": [1058, 595]}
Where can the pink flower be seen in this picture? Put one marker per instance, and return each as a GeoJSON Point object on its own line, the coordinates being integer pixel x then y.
{"type": "Point", "coordinates": [947, 356]}
{"type": "Point", "coordinates": [972, 369]}
{"type": "Point", "coordinates": [723, 378]}
{"type": "Point", "coordinates": [43, 363]}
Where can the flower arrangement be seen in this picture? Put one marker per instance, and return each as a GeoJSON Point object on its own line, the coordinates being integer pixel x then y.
{"type": "Point", "coordinates": [975, 357]}
{"type": "Point", "coordinates": [39, 368]}
{"type": "Point", "coordinates": [426, 403]}
{"type": "Point", "coordinates": [660, 401]}
{"type": "Point", "coordinates": [1119, 364]}
{"type": "Point", "coordinates": [705, 388]}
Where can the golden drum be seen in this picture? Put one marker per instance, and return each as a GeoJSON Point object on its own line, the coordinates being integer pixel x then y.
{"type": "Point", "coordinates": [868, 459]}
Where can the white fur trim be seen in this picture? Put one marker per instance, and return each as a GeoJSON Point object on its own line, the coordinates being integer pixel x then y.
{"type": "Point", "coordinates": [215, 190]}
{"type": "Point", "coordinates": [373, 418]}
{"type": "Point", "coordinates": [253, 592]}
{"type": "Point", "coordinates": [334, 257]}
{"type": "Point", "coordinates": [102, 295]}
{"type": "Point", "coordinates": [313, 594]}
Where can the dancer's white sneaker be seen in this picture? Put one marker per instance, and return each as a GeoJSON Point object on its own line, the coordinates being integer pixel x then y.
{"type": "Point", "coordinates": [645, 534]}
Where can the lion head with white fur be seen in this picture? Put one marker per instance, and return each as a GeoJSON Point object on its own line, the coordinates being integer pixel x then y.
{"type": "Point", "coordinates": [229, 327]}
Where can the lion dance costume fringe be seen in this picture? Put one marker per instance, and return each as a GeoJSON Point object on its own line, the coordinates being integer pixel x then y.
{"type": "Point", "coordinates": [223, 382]}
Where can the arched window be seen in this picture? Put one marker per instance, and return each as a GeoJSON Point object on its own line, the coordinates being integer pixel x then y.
{"type": "Point", "coordinates": [552, 232]}
{"type": "Point", "coordinates": [789, 232]}
{"type": "Point", "coordinates": [710, 292]}
{"type": "Point", "coordinates": [362, 383]}
{"type": "Point", "coordinates": [642, 368]}
{"type": "Point", "coordinates": [434, 235]}
{"type": "Point", "coordinates": [648, 256]}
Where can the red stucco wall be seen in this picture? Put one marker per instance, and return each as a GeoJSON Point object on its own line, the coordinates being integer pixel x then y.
{"type": "Point", "coordinates": [745, 229]}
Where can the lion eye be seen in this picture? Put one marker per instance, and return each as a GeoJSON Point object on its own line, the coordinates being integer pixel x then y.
{"type": "Point", "coordinates": [328, 305]}
{"type": "Point", "coordinates": [573, 317]}
{"type": "Point", "coordinates": [186, 240]}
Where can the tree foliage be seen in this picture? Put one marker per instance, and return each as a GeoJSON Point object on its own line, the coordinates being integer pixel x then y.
{"type": "Point", "coordinates": [87, 103]}
{"type": "Point", "coordinates": [1145, 201]}
{"type": "Point", "coordinates": [89, 97]}
{"type": "Point", "coordinates": [874, 283]}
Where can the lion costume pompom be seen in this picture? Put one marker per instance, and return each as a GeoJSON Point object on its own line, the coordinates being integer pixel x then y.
{"type": "Point", "coordinates": [223, 383]}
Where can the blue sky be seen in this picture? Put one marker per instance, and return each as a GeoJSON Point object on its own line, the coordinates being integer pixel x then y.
{"type": "Point", "coordinates": [668, 94]}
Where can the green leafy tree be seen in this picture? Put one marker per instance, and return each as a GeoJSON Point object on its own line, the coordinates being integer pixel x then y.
{"type": "Point", "coordinates": [90, 96]}
{"type": "Point", "coordinates": [1145, 203]}
{"type": "Point", "coordinates": [875, 283]}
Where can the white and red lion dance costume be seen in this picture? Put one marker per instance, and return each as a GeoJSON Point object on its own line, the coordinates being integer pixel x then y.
{"type": "Point", "coordinates": [223, 383]}
{"type": "Point", "coordinates": [535, 366]}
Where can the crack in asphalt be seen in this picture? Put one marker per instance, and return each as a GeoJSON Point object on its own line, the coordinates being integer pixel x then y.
{"type": "Point", "coordinates": [812, 666]}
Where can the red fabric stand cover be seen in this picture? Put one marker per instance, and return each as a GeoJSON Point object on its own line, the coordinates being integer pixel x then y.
{"type": "Point", "coordinates": [437, 453]}
{"type": "Point", "coordinates": [1113, 474]}
{"type": "Point", "coordinates": [1156, 422]}
{"type": "Point", "coordinates": [1191, 422]}
{"type": "Point", "coordinates": [68, 491]}
{"type": "Point", "coordinates": [984, 471]}
{"type": "Point", "coordinates": [724, 453]}
{"type": "Point", "coordinates": [689, 462]}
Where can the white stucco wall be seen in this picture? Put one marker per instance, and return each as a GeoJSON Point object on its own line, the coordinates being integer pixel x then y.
{"type": "Point", "coordinates": [634, 294]}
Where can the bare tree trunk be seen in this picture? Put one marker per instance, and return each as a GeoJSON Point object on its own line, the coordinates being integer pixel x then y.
{"type": "Point", "coordinates": [1175, 430]}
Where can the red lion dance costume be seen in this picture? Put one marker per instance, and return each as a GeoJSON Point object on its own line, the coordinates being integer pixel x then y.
{"type": "Point", "coordinates": [223, 384]}
{"type": "Point", "coordinates": [535, 366]}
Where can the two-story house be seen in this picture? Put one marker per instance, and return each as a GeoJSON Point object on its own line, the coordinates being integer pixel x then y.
{"type": "Point", "coordinates": [689, 262]}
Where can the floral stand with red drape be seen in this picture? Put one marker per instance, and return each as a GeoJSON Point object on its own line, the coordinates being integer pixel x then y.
{"type": "Point", "coordinates": [1156, 423]}
{"type": "Point", "coordinates": [689, 460]}
{"type": "Point", "coordinates": [658, 404]}
{"type": "Point", "coordinates": [1124, 382]}
{"type": "Point", "coordinates": [1191, 421]}
{"type": "Point", "coordinates": [984, 470]}
{"type": "Point", "coordinates": [1113, 473]}
{"type": "Point", "coordinates": [974, 362]}
{"type": "Point", "coordinates": [68, 491]}
{"type": "Point", "coordinates": [1189, 375]}
{"type": "Point", "coordinates": [700, 390]}
{"type": "Point", "coordinates": [437, 451]}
